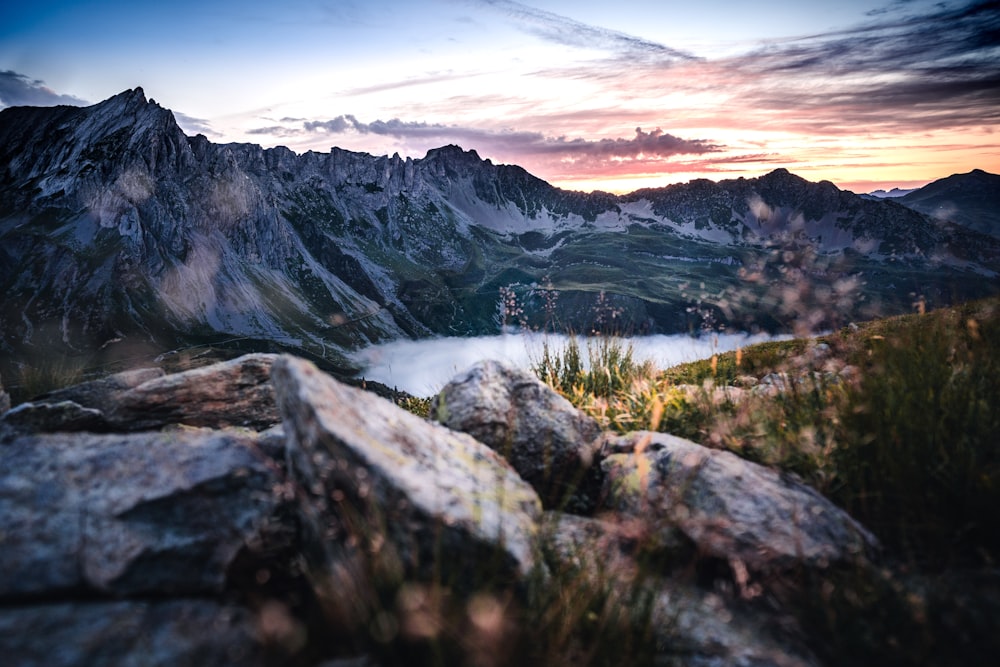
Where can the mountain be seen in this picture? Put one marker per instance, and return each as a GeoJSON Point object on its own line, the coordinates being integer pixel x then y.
{"type": "Point", "coordinates": [971, 200]}
{"type": "Point", "coordinates": [121, 237]}
{"type": "Point", "coordinates": [888, 194]}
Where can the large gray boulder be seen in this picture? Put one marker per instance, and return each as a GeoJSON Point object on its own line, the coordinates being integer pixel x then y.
{"type": "Point", "coordinates": [430, 503]}
{"type": "Point", "coordinates": [131, 633]}
{"type": "Point", "coordinates": [230, 393]}
{"type": "Point", "coordinates": [548, 441]}
{"type": "Point", "coordinates": [730, 508]}
{"type": "Point", "coordinates": [151, 513]}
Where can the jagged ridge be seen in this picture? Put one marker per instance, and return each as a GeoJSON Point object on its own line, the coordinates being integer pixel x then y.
{"type": "Point", "coordinates": [118, 230]}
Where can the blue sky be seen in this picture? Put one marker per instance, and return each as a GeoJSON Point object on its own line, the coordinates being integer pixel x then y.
{"type": "Point", "coordinates": [610, 95]}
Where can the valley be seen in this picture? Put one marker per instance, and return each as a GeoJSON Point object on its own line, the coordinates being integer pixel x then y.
{"type": "Point", "coordinates": [122, 238]}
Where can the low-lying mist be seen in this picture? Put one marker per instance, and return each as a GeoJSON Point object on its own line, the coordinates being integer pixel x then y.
{"type": "Point", "coordinates": [422, 367]}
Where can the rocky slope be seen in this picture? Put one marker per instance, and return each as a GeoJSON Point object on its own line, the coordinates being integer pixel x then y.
{"type": "Point", "coordinates": [121, 238]}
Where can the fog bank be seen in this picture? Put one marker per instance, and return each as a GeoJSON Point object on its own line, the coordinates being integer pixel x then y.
{"type": "Point", "coordinates": [422, 367]}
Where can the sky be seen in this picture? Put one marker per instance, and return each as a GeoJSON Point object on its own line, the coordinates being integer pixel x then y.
{"type": "Point", "coordinates": [611, 94]}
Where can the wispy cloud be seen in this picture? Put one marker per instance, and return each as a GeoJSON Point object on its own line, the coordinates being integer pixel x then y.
{"type": "Point", "coordinates": [194, 125]}
{"type": "Point", "coordinates": [908, 72]}
{"type": "Point", "coordinates": [20, 90]}
{"type": "Point", "coordinates": [406, 83]}
{"type": "Point", "coordinates": [569, 32]}
{"type": "Point", "coordinates": [863, 97]}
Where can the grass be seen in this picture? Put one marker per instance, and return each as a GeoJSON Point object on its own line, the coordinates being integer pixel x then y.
{"type": "Point", "coordinates": [895, 420]}
{"type": "Point", "coordinates": [45, 375]}
{"type": "Point", "coordinates": [920, 459]}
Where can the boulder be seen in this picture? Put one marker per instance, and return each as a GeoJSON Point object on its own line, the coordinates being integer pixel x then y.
{"type": "Point", "coordinates": [61, 416]}
{"type": "Point", "coordinates": [99, 394]}
{"type": "Point", "coordinates": [686, 625]}
{"type": "Point", "coordinates": [429, 503]}
{"type": "Point", "coordinates": [730, 508]}
{"type": "Point", "coordinates": [231, 393]}
{"type": "Point", "coordinates": [150, 513]}
{"type": "Point", "coordinates": [130, 633]}
{"type": "Point", "coordinates": [548, 441]}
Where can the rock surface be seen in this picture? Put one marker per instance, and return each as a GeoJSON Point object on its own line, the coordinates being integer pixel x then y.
{"type": "Point", "coordinates": [130, 514]}
{"type": "Point", "coordinates": [550, 443]}
{"type": "Point", "coordinates": [331, 524]}
{"type": "Point", "coordinates": [54, 417]}
{"type": "Point", "coordinates": [101, 393]}
{"type": "Point", "coordinates": [129, 634]}
{"type": "Point", "coordinates": [434, 502]}
{"type": "Point", "coordinates": [729, 507]}
{"type": "Point", "coordinates": [691, 626]}
{"type": "Point", "coordinates": [230, 393]}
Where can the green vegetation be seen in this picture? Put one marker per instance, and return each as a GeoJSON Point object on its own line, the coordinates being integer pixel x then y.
{"type": "Point", "coordinates": [920, 455]}
{"type": "Point", "coordinates": [895, 420]}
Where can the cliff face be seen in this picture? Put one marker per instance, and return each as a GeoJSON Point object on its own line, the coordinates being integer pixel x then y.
{"type": "Point", "coordinates": [116, 229]}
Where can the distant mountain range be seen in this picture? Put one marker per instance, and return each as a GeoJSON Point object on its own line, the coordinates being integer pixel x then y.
{"type": "Point", "coordinates": [888, 194]}
{"type": "Point", "coordinates": [122, 237]}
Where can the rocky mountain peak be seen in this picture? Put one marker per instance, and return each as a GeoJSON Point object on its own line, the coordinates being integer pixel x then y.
{"type": "Point", "coordinates": [453, 152]}
{"type": "Point", "coordinates": [115, 225]}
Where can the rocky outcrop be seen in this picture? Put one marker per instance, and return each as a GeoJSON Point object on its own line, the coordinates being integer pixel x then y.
{"type": "Point", "coordinates": [53, 417]}
{"type": "Point", "coordinates": [100, 394]}
{"type": "Point", "coordinates": [235, 393]}
{"type": "Point", "coordinates": [730, 508]}
{"type": "Point", "coordinates": [350, 529]}
{"type": "Point", "coordinates": [436, 502]}
{"type": "Point", "coordinates": [232, 393]}
{"type": "Point", "coordinates": [107, 633]}
{"type": "Point", "coordinates": [146, 513]}
{"type": "Point", "coordinates": [550, 443]}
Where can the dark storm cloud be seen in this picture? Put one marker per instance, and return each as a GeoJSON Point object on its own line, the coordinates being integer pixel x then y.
{"type": "Point", "coordinates": [20, 90]}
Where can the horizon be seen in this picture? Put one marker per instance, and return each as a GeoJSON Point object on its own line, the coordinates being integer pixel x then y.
{"type": "Point", "coordinates": [867, 95]}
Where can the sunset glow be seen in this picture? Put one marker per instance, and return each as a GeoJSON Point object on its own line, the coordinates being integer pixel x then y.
{"type": "Point", "coordinates": [867, 94]}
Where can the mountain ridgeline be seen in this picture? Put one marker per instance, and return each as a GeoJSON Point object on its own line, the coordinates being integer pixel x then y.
{"type": "Point", "coordinates": [120, 235]}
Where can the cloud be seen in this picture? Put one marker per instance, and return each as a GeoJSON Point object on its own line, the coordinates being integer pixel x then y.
{"type": "Point", "coordinates": [275, 131]}
{"type": "Point", "coordinates": [569, 32]}
{"type": "Point", "coordinates": [194, 125]}
{"type": "Point", "coordinates": [20, 90]}
{"type": "Point", "coordinates": [406, 83]}
{"type": "Point", "coordinates": [653, 144]}
{"type": "Point", "coordinates": [898, 72]}
{"type": "Point", "coordinates": [912, 72]}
